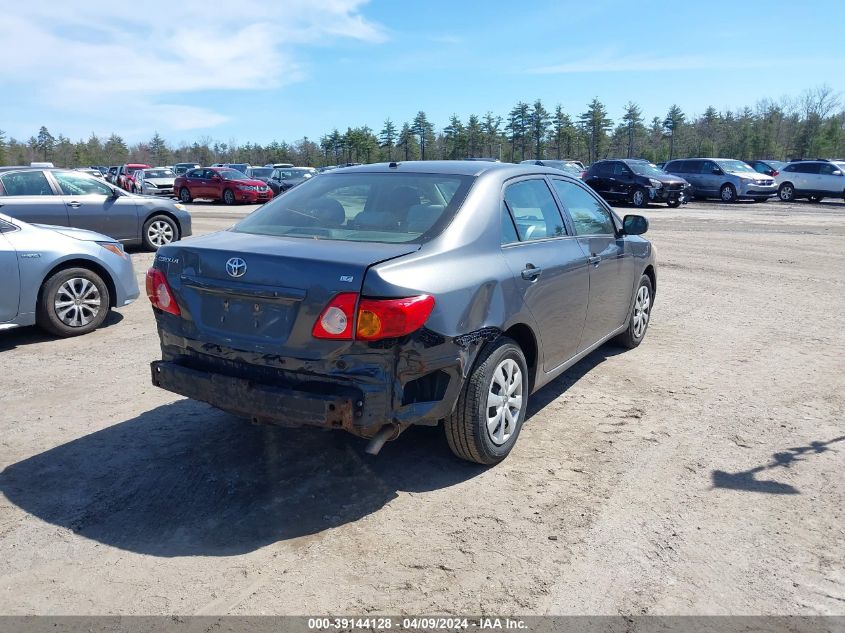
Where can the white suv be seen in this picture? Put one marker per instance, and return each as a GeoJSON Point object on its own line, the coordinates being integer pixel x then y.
{"type": "Point", "coordinates": [811, 179]}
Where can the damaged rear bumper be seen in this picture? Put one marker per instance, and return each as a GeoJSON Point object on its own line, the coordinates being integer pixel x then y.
{"type": "Point", "coordinates": [331, 406]}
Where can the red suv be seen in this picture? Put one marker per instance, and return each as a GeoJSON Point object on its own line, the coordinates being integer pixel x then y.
{"type": "Point", "coordinates": [125, 178]}
{"type": "Point", "coordinates": [221, 183]}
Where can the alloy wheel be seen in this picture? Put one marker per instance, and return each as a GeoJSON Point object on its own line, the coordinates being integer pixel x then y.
{"type": "Point", "coordinates": [504, 401]}
{"type": "Point", "coordinates": [77, 302]}
{"type": "Point", "coordinates": [642, 307]}
{"type": "Point", "coordinates": [160, 233]}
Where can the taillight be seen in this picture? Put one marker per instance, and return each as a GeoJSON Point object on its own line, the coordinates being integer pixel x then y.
{"type": "Point", "coordinates": [775, 172]}
{"type": "Point", "coordinates": [376, 318]}
{"type": "Point", "coordinates": [159, 293]}
{"type": "Point", "coordinates": [387, 318]}
{"type": "Point", "coordinates": [335, 322]}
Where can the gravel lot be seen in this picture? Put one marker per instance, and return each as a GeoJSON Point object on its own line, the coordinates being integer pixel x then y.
{"type": "Point", "coordinates": [700, 473]}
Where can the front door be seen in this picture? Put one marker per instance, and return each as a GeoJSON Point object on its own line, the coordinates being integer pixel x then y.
{"type": "Point", "coordinates": [610, 259]}
{"type": "Point", "coordinates": [549, 267]}
{"type": "Point", "coordinates": [91, 205]}
{"type": "Point", "coordinates": [10, 283]}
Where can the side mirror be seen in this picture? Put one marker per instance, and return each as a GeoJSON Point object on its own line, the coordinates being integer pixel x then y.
{"type": "Point", "coordinates": [215, 177]}
{"type": "Point", "coordinates": [717, 171]}
{"type": "Point", "coordinates": [634, 225]}
{"type": "Point", "coordinates": [837, 172]}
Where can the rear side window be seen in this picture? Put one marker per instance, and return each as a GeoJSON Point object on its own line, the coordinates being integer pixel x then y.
{"type": "Point", "coordinates": [534, 210]}
{"type": "Point", "coordinates": [78, 185]}
{"type": "Point", "coordinates": [589, 217]}
{"type": "Point", "coordinates": [677, 167]}
{"type": "Point", "coordinates": [807, 168]}
{"type": "Point", "coordinates": [363, 207]}
{"type": "Point", "coordinates": [601, 169]}
{"type": "Point", "coordinates": [26, 183]}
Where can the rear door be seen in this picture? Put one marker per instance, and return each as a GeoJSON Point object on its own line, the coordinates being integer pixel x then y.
{"type": "Point", "coordinates": [806, 175]}
{"type": "Point", "coordinates": [194, 181]}
{"type": "Point", "coordinates": [10, 283]}
{"type": "Point", "coordinates": [548, 264]}
{"type": "Point", "coordinates": [610, 258]}
{"type": "Point", "coordinates": [30, 196]}
{"type": "Point", "coordinates": [91, 205]}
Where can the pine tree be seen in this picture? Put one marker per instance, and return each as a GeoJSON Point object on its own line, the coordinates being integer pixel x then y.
{"type": "Point", "coordinates": [387, 137]}
{"type": "Point", "coordinates": [45, 142]}
{"type": "Point", "coordinates": [158, 150]}
{"type": "Point", "coordinates": [423, 131]}
{"type": "Point", "coordinates": [595, 124]}
{"type": "Point", "coordinates": [672, 126]}
{"type": "Point", "coordinates": [455, 137]}
{"type": "Point", "coordinates": [633, 120]}
{"type": "Point", "coordinates": [473, 135]}
{"type": "Point", "coordinates": [491, 137]}
{"type": "Point", "coordinates": [539, 120]}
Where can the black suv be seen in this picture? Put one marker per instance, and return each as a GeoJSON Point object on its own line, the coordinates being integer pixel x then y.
{"type": "Point", "coordinates": [636, 181]}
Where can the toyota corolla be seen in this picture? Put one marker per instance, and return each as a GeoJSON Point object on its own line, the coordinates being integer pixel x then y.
{"type": "Point", "coordinates": [378, 297]}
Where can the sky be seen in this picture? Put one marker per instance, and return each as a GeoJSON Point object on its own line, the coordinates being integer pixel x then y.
{"type": "Point", "coordinates": [259, 71]}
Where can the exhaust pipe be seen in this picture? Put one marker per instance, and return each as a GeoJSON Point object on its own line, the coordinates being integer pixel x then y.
{"type": "Point", "coordinates": [387, 432]}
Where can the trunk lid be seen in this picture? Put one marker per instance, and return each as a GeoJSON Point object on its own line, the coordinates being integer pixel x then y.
{"type": "Point", "coordinates": [264, 293]}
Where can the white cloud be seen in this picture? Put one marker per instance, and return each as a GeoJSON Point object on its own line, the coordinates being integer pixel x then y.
{"type": "Point", "coordinates": [121, 62]}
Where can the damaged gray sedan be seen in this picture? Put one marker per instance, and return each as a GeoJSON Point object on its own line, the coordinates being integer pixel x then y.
{"type": "Point", "coordinates": [377, 297]}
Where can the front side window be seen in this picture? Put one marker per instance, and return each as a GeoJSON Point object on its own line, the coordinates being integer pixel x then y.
{"type": "Point", "coordinates": [363, 207]}
{"type": "Point", "coordinates": [534, 210]}
{"type": "Point", "coordinates": [589, 217]}
{"type": "Point", "coordinates": [827, 169]}
{"type": "Point", "coordinates": [194, 173]}
{"type": "Point", "coordinates": [26, 183]}
{"type": "Point", "coordinates": [80, 185]}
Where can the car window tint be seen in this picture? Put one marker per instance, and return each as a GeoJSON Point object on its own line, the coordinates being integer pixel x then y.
{"type": "Point", "coordinates": [508, 229]}
{"type": "Point", "coordinates": [588, 214]}
{"type": "Point", "coordinates": [26, 183]}
{"type": "Point", "coordinates": [534, 210]}
{"type": "Point", "coordinates": [761, 168]}
{"type": "Point", "coordinates": [827, 169]}
{"type": "Point", "coordinates": [353, 198]}
{"type": "Point", "coordinates": [78, 185]}
{"type": "Point", "coordinates": [620, 169]}
{"type": "Point", "coordinates": [808, 168]}
{"type": "Point", "coordinates": [676, 167]}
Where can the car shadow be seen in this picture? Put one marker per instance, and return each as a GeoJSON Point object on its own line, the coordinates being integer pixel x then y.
{"type": "Point", "coordinates": [19, 337]}
{"type": "Point", "coordinates": [186, 479]}
{"type": "Point", "coordinates": [747, 479]}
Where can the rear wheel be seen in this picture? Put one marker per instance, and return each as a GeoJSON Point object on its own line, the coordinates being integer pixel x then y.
{"type": "Point", "coordinates": [185, 195]}
{"type": "Point", "coordinates": [72, 302]}
{"type": "Point", "coordinates": [639, 198]}
{"type": "Point", "coordinates": [786, 192]}
{"type": "Point", "coordinates": [491, 408]}
{"type": "Point", "coordinates": [727, 193]}
{"type": "Point", "coordinates": [640, 315]}
{"type": "Point", "coordinates": [674, 203]}
{"type": "Point", "coordinates": [159, 231]}
{"type": "Point", "coordinates": [815, 198]}
{"type": "Point", "coordinates": [228, 197]}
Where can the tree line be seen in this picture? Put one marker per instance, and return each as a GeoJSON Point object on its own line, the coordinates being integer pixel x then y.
{"type": "Point", "coordinates": [811, 125]}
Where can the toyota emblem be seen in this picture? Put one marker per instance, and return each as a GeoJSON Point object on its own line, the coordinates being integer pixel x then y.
{"type": "Point", "coordinates": [236, 267]}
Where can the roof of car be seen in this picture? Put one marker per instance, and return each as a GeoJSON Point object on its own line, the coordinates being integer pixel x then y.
{"type": "Point", "coordinates": [457, 167]}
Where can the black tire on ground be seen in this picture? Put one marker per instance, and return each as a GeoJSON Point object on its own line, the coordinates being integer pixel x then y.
{"type": "Point", "coordinates": [467, 428]}
{"type": "Point", "coordinates": [185, 195]}
{"type": "Point", "coordinates": [674, 203]}
{"type": "Point", "coordinates": [727, 193]}
{"type": "Point", "coordinates": [786, 192]}
{"type": "Point", "coordinates": [636, 330]}
{"type": "Point", "coordinates": [134, 189]}
{"type": "Point", "coordinates": [815, 198]}
{"type": "Point", "coordinates": [639, 198]}
{"type": "Point", "coordinates": [83, 299]}
{"type": "Point", "coordinates": [158, 231]}
{"type": "Point", "coordinates": [228, 197]}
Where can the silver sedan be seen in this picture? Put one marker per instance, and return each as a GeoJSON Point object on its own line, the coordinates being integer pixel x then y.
{"type": "Point", "coordinates": [63, 279]}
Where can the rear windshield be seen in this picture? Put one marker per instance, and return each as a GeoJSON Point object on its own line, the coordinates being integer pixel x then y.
{"type": "Point", "coordinates": [363, 207]}
{"type": "Point", "coordinates": [260, 172]}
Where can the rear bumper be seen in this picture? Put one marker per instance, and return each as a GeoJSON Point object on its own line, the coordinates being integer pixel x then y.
{"type": "Point", "coordinates": [325, 405]}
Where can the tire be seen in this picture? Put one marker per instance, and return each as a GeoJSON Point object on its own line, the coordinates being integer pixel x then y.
{"type": "Point", "coordinates": [640, 315]}
{"type": "Point", "coordinates": [185, 195]}
{"type": "Point", "coordinates": [727, 193]}
{"type": "Point", "coordinates": [228, 197]}
{"type": "Point", "coordinates": [159, 230]}
{"type": "Point", "coordinates": [72, 302]}
{"type": "Point", "coordinates": [467, 429]}
{"type": "Point", "coordinates": [786, 192]}
{"type": "Point", "coordinates": [815, 198]}
{"type": "Point", "coordinates": [673, 204]}
{"type": "Point", "coordinates": [134, 189]}
{"type": "Point", "coordinates": [639, 198]}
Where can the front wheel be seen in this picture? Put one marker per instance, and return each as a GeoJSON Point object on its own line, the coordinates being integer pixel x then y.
{"type": "Point", "coordinates": [228, 197]}
{"type": "Point", "coordinates": [727, 193]}
{"type": "Point", "coordinates": [491, 408]}
{"type": "Point", "coordinates": [786, 192]}
{"type": "Point", "coordinates": [72, 302]}
{"type": "Point", "coordinates": [185, 195]}
{"type": "Point", "coordinates": [815, 198]}
{"type": "Point", "coordinates": [639, 198]}
{"type": "Point", "coordinates": [673, 204]}
{"type": "Point", "coordinates": [640, 315]}
{"type": "Point", "coordinates": [159, 231]}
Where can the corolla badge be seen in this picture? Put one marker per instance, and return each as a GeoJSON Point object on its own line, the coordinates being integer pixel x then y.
{"type": "Point", "coordinates": [236, 267]}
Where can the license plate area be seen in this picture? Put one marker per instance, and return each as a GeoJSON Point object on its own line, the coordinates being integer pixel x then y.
{"type": "Point", "coordinates": [245, 316]}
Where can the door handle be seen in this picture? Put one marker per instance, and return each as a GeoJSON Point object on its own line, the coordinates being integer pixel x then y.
{"type": "Point", "coordinates": [74, 204]}
{"type": "Point", "coordinates": [595, 260]}
{"type": "Point", "coordinates": [531, 272]}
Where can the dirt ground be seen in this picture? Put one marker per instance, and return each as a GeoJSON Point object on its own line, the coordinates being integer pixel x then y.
{"type": "Point", "coordinates": [701, 473]}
